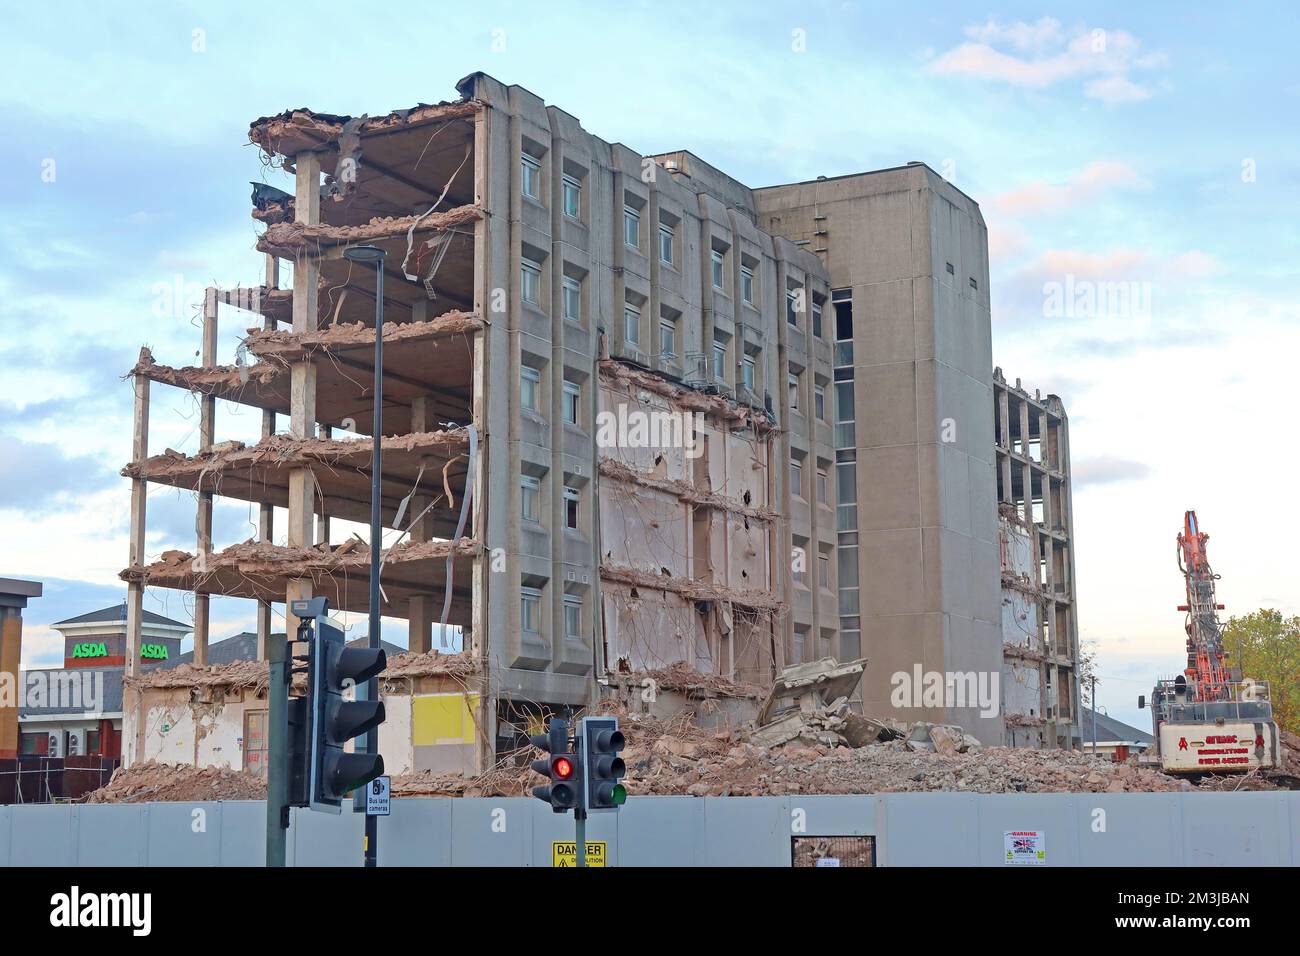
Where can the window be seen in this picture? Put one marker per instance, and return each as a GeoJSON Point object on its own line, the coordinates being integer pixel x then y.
{"type": "Point", "coordinates": [572, 396]}
{"type": "Point", "coordinates": [573, 617]}
{"type": "Point", "coordinates": [799, 563]}
{"type": "Point", "coordinates": [718, 262]}
{"type": "Point", "coordinates": [632, 324]}
{"type": "Point", "coordinates": [668, 338]}
{"type": "Point", "coordinates": [572, 299]}
{"type": "Point", "coordinates": [720, 362]}
{"type": "Point", "coordinates": [530, 282]}
{"type": "Point", "coordinates": [973, 283]}
{"type": "Point", "coordinates": [819, 403]}
{"type": "Point", "coordinates": [822, 486]}
{"type": "Point", "coordinates": [666, 243]}
{"type": "Point", "coordinates": [531, 179]}
{"type": "Point", "coordinates": [796, 478]}
{"type": "Point", "coordinates": [747, 370]}
{"type": "Point", "coordinates": [791, 307]}
{"type": "Point", "coordinates": [951, 270]}
{"type": "Point", "coordinates": [747, 285]}
{"type": "Point", "coordinates": [632, 227]}
{"type": "Point", "coordinates": [530, 610]}
{"type": "Point", "coordinates": [572, 198]}
{"type": "Point", "coordinates": [824, 571]}
{"type": "Point", "coordinates": [817, 319]}
{"type": "Point", "coordinates": [793, 380]}
{"type": "Point", "coordinates": [530, 491]}
{"type": "Point", "coordinates": [572, 498]}
{"type": "Point", "coordinates": [530, 385]}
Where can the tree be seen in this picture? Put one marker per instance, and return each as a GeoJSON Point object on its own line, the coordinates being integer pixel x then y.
{"type": "Point", "coordinates": [1266, 647]}
{"type": "Point", "coordinates": [1087, 668]}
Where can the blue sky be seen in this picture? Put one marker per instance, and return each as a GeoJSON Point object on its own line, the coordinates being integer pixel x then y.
{"type": "Point", "coordinates": [1154, 145]}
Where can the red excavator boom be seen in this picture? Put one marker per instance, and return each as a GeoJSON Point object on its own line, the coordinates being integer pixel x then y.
{"type": "Point", "coordinates": [1207, 674]}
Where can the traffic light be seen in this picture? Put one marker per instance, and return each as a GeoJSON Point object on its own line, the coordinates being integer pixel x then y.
{"type": "Point", "coordinates": [562, 767]}
{"type": "Point", "coordinates": [600, 741]}
{"type": "Point", "coordinates": [332, 721]}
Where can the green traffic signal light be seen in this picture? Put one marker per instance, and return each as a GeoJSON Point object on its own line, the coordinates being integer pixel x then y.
{"type": "Point", "coordinates": [619, 796]}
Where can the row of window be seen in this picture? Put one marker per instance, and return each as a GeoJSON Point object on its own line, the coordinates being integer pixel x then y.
{"type": "Point", "coordinates": [530, 614]}
{"type": "Point", "coordinates": [821, 487]}
{"type": "Point", "coordinates": [530, 395]}
{"type": "Point", "coordinates": [823, 568]}
{"type": "Point", "coordinates": [530, 493]}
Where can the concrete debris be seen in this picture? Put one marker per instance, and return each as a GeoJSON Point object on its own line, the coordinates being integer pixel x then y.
{"type": "Point", "coordinates": [255, 674]}
{"type": "Point", "coordinates": [727, 411]}
{"type": "Point", "coordinates": [152, 781]}
{"type": "Point", "coordinates": [261, 557]}
{"type": "Point", "coordinates": [288, 239]}
{"type": "Point", "coordinates": [285, 451]}
{"type": "Point", "coordinates": [289, 347]}
{"type": "Point", "coordinates": [432, 663]}
{"type": "Point", "coordinates": [943, 739]}
{"type": "Point", "coordinates": [690, 588]}
{"type": "Point", "coordinates": [693, 683]}
{"type": "Point", "coordinates": [205, 380]}
{"type": "Point", "coordinates": [684, 490]}
{"type": "Point", "coordinates": [810, 703]}
{"type": "Point", "coordinates": [292, 131]}
{"type": "Point", "coordinates": [235, 675]}
{"type": "Point", "coordinates": [675, 757]}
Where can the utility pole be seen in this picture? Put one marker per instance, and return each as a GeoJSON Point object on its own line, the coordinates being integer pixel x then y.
{"type": "Point", "coordinates": [1093, 695]}
{"type": "Point", "coordinates": [277, 768]}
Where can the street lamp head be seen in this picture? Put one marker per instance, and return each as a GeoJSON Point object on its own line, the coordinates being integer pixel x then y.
{"type": "Point", "coordinates": [363, 254]}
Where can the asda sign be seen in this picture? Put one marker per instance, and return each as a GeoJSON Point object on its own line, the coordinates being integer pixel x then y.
{"type": "Point", "coordinates": [92, 649]}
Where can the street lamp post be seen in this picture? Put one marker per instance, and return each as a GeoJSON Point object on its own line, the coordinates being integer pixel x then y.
{"type": "Point", "coordinates": [361, 255]}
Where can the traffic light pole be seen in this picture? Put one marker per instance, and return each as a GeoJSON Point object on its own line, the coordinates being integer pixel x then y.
{"type": "Point", "coordinates": [580, 835]}
{"type": "Point", "coordinates": [376, 536]}
{"type": "Point", "coordinates": [277, 769]}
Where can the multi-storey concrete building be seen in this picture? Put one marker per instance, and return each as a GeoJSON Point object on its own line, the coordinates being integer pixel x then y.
{"type": "Point", "coordinates": [1041, 699]}
{"type": "Point", "coordinates": [635, 411]}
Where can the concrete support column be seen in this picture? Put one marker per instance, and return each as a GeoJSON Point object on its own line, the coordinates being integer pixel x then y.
{"type": "Point", "coordinates": [266, 512]}
{"type": "Point", "coordinates": [203, 521]}
{"type": "Point", "coordinates": [132, 724]}
{"type": "Point", "coordinates": [420, 612]}
{"type": "Point", "coordinates": [302, 407]}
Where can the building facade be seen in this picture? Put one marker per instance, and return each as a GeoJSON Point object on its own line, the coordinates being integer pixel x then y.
{"type": "Point", "coordinates": [636, 412]}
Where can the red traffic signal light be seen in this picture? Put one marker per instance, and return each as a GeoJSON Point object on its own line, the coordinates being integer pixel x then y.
{"type": "Point", "coordinates": [562, 769]}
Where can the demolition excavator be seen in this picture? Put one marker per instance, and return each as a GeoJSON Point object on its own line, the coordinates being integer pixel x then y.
{"type": "Point", "coordinates": [1209, 719]}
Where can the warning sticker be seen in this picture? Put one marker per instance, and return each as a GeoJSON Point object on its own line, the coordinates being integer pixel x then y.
{"type": "Point", "coordinates": [566, 854]}
{"type": "Point", "coordinates": [1025, 847]}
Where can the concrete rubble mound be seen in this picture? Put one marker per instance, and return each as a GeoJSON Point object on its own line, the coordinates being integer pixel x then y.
{"type": "Point", "coordinates": [150, 781]}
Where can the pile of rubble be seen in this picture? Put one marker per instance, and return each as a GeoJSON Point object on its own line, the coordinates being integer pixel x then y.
{"type": "Point", "coordinates": [150, 781]}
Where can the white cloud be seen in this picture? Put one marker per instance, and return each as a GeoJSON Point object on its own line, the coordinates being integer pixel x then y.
{"type": "Point", "coordinates": [1043, 54]}
{"type": "Point", "coordinates": [1040, 196]}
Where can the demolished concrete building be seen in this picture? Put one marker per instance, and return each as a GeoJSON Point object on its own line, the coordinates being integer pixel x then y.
{"type": "Point", "coordinates": [629, 417]}
{"type": "Point", "coordinates": [1041, 700]}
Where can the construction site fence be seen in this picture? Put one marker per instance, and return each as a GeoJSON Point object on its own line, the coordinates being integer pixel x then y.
{"type": "Point", "coordinates": [894, 829]}
{"type": "Point", "coordinates": [34, 778]}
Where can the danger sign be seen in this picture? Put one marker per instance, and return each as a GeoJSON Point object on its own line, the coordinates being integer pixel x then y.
{"type": "Point", "coordinates": [566, 854]}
